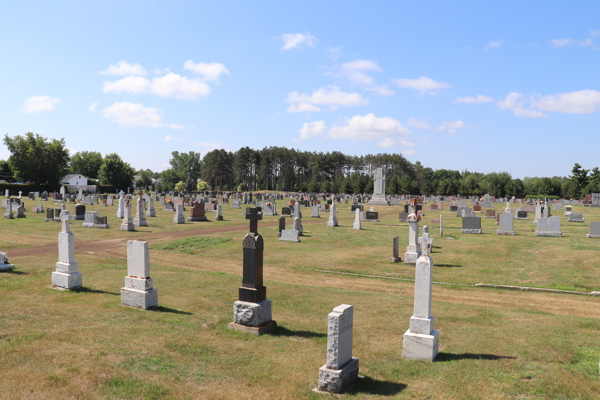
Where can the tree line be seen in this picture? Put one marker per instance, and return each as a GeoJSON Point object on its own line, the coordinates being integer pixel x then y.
{"type": "Point", "coordinates": [35, 159]}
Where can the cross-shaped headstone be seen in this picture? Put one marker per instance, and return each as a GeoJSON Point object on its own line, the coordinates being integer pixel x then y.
{"type": "Point", "coordinates": [64, 219]}
{"type": "Point", "coordinates": [425, 243]}
{"type": "Point", "coordinates": [254, 214]}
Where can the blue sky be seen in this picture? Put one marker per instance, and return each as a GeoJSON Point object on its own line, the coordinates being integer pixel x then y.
{"type": "Point", "coordinates": [509, 86]}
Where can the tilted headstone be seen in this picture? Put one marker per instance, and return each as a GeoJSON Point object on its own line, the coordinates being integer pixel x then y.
{"type": "Point", "coordinates": [341, 369]}
{"type": "Point", "coordinates": [252, 312]}
{"type": "Point", "coordinates": [138, 291]}
{"type": "Point", "coordinates": [67, 275]}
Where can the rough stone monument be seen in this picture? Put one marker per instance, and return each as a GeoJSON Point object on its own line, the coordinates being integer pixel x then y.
{"type": "Point", "coordinates": [341, 369]}
{"type": "Point", "coordinates": [333, 216]}
{"type": "Point", "coordinates": [252, 312]}
{"type": "Point", "coordinates": [127, 224]}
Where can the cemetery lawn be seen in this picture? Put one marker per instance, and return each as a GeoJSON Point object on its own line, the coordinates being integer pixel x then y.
{"type": "Point", "coordinates": [495, 344]}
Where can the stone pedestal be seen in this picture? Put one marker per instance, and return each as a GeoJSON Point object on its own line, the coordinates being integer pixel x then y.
{"type": "Point", "coordinates": [422, 340]}
{"type": "Point", "coordinates": [4, 265]}
{"type": "Point", "coordinates": [471, 231]}
{"type": "Point", "coordinates": [138, 291]}
{"type": "Point", "coordinates": [67, 275]}
{"type": "Point", "coordinates": [505, 233]}
{"type": "Point", "coordinates": [336, 380]}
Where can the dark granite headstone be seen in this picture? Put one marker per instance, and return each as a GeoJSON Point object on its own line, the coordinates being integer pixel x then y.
{"type": "Point", "coordinates": [471, 223]}
{"type": "Point", "coordinates": [371, 215]}
{"type": "Point", "coordinates": [80, 212]}
{"type": "Point", "coordinates": [281, 226]}
{"type": "Point", "coordinates": [286, 211]}
{"type": "Point", "coordinates": [355, 206]}
{"type": "Point", "coordinates": [521, 214]}
{"type": "Point", "coordinates": [252, 289]}
{"type": "Point", "coordinates": [453, 208]}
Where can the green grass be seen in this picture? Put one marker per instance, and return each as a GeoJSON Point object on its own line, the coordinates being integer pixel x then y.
{"type": "Point", "coordinates": [190, 245]}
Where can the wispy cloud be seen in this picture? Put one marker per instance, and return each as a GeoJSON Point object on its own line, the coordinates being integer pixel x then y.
{"type": "Point", "coordinates": [493, 44]}
{"type": "Point", "coordinates": [294, 40]}
{"type": "Point", "coordinates": [419, 123]}
{"type": "Point", "coordinates": [36, 104]}
{"type": "Point", "coordinates": [451, 127]}
{"type": "Point", "coordinates": [479, 99]}
{"type": "Point", "coordinates": [423, 84]}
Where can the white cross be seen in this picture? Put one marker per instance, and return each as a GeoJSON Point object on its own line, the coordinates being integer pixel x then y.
{"type": "Point", "coordinates": [425, 243]}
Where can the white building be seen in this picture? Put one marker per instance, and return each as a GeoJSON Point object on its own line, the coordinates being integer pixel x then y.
{"type": "Point", "coordinates": [75, 180]}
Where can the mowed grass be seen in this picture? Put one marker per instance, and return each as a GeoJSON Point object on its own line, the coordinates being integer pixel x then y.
{"type": "Point", "coordinates": [83, 344]}
{"type": "Point", "coordinates": [495, 344]}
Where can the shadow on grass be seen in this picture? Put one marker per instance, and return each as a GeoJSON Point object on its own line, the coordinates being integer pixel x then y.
{"type": "Point", "coordinates": [96, 291]}
{"type": "Point", "coordinates": [282, 331]}
{"type": "Point", "coordinates": [12, 271]}
{"type": "Point", "coordinates": [447, 265]}
{"type": "Point", "coordinates": [169, 310]}
{"type": "Point", "coordinates": [375, 387]}
{"type": "Point", "coordinates": [441, 357]}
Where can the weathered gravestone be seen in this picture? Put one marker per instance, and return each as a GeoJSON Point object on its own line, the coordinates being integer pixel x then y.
{"type": "Point", "coordinates": [219, 216]}
{"type": "Point", "coordinates": [127, 224]}
{"type": "Point", "coordinates": [506, 225]}
{"type": "Point", "coordinates": [49, 215]}
{"type": "Point", "coordinates": [412, 250]}
{"type": "Point", "coordinates": [179, 218]}
{"type": "Point", "coordinates": [594, 230]}
{"type": "Point", "coordinates": [490, 213]}
{"type": "Point", "coordinates": [379, 188]}
{"type": "Point", "coordinates": [21, 211]}
{"type": "Point", "coordinates": [548, 227]}
{"type": "Point", "coordinates": [402, 217]}
{"type": "Point", "coordinates": [89, 219]}
{"type": "Point", "coordinates": [197, 213]}
{"type": "Point", "coordinates": [4, 264]}
{"type": "Point", "coordinates": [252, 312]}
{"type": "Point", "coordinates": [341, 369]}
{"type": "Point", "coordinates": [395, 249]}
{"type": "Point", "coordinates": [138, 291]}
{"type": "Point", "coordinates": [140, 217]}
{"type": "Point", "coordinates": [151, 210]}
{"type": "Point", "coordinates": [333, 217]}
{"type": "Point", "coordinates": [8, 210]}
{"type": "Point", "coordinates": [357, 224]}
{"type": "Point", "coordinates": [316, 212]}
{"type": "Point", "coordinates": [576, 217]}
{"type": "Point", "coordinates": [422, 340]}
{"type": "Point", "coordinates": [67, 275]}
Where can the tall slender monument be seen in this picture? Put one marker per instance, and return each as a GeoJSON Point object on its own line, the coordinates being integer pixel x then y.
{"type": "Point", "coordinates": [379, 189]}
{"type": "Point", "coordinates": [252, 312]}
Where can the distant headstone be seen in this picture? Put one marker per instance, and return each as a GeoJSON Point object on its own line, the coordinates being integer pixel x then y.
{"type": "Point", "coordinates": [138, 291]}
{"type": "Point", "coordinates": [471, 225]}
{"type": "Point", "coordinates": [395, 249]}
{"type": "Point", "coordinates": [333, 217]}
{"type": "Point", "coordinates": [67, 275]}
{"type": "Point", "coordinates": [80, 212]}
{"type": "Point", "coordinates": [594, 230]}
{"type": "Point", "coordinates": [127, 224]}
{"type": "Point", "coordinates": [179, 218]}
{"type": "Point", "coordinates": [506, 225]}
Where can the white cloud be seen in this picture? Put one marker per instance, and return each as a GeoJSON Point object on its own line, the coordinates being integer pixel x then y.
{"type": "Point", "coordinates": [133, 114]}
{"type": "Point", "coordinates": [474, 100]}
{"type": "Point", "coordinates": [124, 68]}
{"type": "Point", "coordinates": [586, 42]}
{"type": "Point", "coordinates": [561, 42]}
{"type": "Point", "coordinates": [451, 127]}
{"type": "Point", "coordinates": [387, 131]}
{"type": "Point", "coordinates": [293, 108]}
{"type": "Point", "coordinates": [333, 52]}
{"type": "Point", "coordinates": [594, 33]}
{"type": "Point", "coordinates": [418, 123]}
{"type": "Point", "coordinates": [36, 104]}
{"type": "Point", "coordinates": [129, 84]}
{"type": "Point", "coordinates": [175, 126]}
{"type": "Point", "coordinates": [180, 87]}
{"type": "Point", "coordinates": [71, 151]}
{"type": "Point", "coordinates": [331, 96]}
{"type": "Point", "coordinates": [292, 40]}
{"type": "Point", "coordinates": [579, 102]}
{"type": "Point", "coordinates": [92, 107]}
{"type": "Point", "coordinates": [409, 152]}
{"type": "Point", "coordinates": [382, 90]}
{"type": "Point", "coordinates": [516, 102]}
{"type": "Point", "coordinates": [170, 138]}
{"type": "Point", "coordinates": [422, 84]}
{"type": "Point", "coordinates": [311, 130]}
{"type": "Point", "coordinates": [209, 71]}
{"type": "Point", "coordinates": [493, 44]}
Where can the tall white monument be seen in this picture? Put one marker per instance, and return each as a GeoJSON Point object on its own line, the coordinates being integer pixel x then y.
{"type": "Point", "coordinates": [379, 189]}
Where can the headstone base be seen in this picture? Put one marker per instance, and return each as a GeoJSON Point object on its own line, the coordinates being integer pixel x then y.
{"type": "Point", "coordinates": [395, 259]}
{"type": "Point", "coordinates": [180, 220]}
{"type": "Point", "coordinates": [505, 233]}
{"type": "Point", "coordinates": [575, 220]}
{"type": "Point", "coordinates": [490, 216]}
{"type": "Point", "coordinates": [336, 380]}
{"type": "Point", "coordinates": [288, 235]}
{"type": "Point", "coordinates": [421, 347]}
{"type": "Point", "coordinates": [255, 330]}
{"type": "Point", "coordinates": [411, 258]}
{"type": "Point", "coordinates": [332, 223]}
{"type": "Point", "coordinates": [219, 218]}
{"type": "Point", "coordinates": [5, 267]}
{"type": "Point", "coordinates": [24, 216]}
{"type": "Point", "coordinates": [127, 227]}
{"type": "Point", "coordinates": [138, 222]}
{"type": "Point", "coordinates": [589, 237]}
{"type": "Point", "coordinates": [8, 215]}
{"type": "Point", "coordinates": [356, 225]}
{"type": "Point", "coordinates": [472, 231]}
{"type": "Point", "coordinates": [80, 217]}
{"type": "Point", "coordinates": [64, 280]}
{"type": "Point", "coordinates": [89, 225]}
{"type": "Point", "coordinates": [152, 213]}
{"type": "Point", "coordinates": [139, 298]}
{"type": "Point", "coordinates": [252, 314]}
{"type": "Point", "coordinates": [102, 226]}
{"type": "Point", "coordinates": [551, 234]}
{"type": "Point", "coordinates": [197, 219]}
{"type": "Point", "coordinates": [379, 200]}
